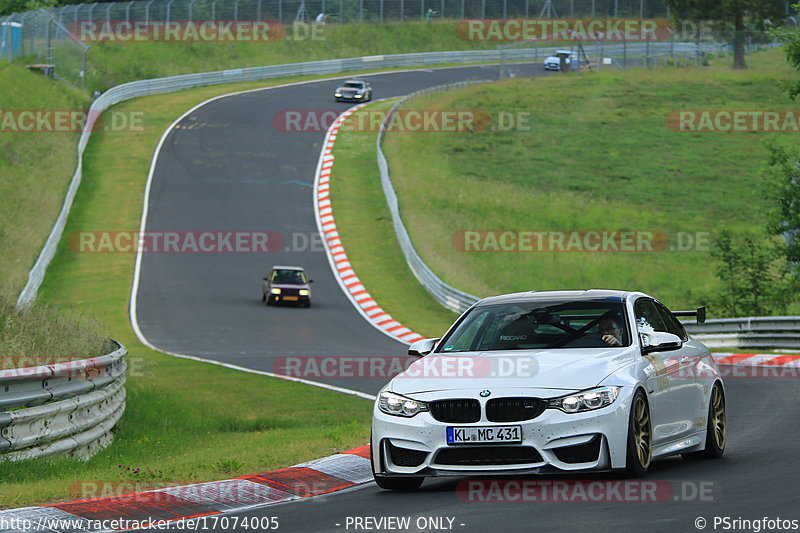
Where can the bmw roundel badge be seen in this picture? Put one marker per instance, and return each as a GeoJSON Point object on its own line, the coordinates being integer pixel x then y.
{"type": "Point", "coordinates": [485, 392]}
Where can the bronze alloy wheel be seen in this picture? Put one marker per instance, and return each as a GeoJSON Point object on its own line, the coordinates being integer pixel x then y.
{"type": "Point", "coordinates": [642, 433]}
{"type": "Point", "coordinates": [718, 416]}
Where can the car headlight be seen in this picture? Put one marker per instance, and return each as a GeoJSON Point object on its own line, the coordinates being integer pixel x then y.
{"type": "Point", "coordinates": [394, 404]}
{"type": "Point", "coordinates": [303, 292]}
{"type": "Point", "coordinates": [275, 291]}
{"type": "Point", "coordinates": [337, 95]}
{"type": "Point", "coordinates": [585, 401]}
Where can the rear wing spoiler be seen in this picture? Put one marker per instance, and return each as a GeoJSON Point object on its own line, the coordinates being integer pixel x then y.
{"type": "Point", "coordinates": [700, 313]}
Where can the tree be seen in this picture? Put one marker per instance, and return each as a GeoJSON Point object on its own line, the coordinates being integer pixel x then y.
{"type": "Point", "coordinates": [732, 13]}
{"type": "Point", "coordinates": [7, 7]}
{"type": "Point", "coordinates": [755, 275]}
{"type": "Point", "coordinates": [782, 176]}
{"type": "Point", "coordinates": [791, 46]}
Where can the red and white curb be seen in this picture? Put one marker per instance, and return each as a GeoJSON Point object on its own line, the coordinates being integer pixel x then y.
{"type": "Point", "coordinates": [342, 269]}
{"type": "Point", "coordinates": [201, 501]}
{"type": "Point", "coordinates": [757, 365]}
{"type": "Point", "coordinates": [757, 359]}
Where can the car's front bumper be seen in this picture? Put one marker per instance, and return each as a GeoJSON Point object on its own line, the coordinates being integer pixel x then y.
{"type": "Point", "coordinates": [594, 440]}
{"type": "Point", "coordinates": [350, 99]}
{"type": "Point", "coordinates": [289, 299]}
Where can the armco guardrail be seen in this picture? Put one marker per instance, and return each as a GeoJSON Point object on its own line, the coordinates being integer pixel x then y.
{"type": "Point", "coordinates": [775, 332]}
{"type": "Point", "coordinates": [127, 91]}
{"type": "Point", "coordinates": [448, 296]}
{"type": "Point", "coordinates": [63, 408]}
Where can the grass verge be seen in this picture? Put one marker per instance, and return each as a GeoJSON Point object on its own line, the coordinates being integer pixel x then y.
{"type": "Point", "coordinates": [185, 421]}
{"type": "Point", "coordinates": [28, 335]}
{"type": "Point", "coordinates": [598, 157]}
{"type": "Point", "coordinates": [34, 169]}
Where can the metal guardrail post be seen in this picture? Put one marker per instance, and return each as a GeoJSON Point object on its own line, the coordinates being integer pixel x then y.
{"type": "Point", "coordinates": [84, 66]}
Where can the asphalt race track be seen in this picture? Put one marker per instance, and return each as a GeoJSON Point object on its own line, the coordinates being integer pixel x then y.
{"type": "Point", "coordinates": [226, 167]}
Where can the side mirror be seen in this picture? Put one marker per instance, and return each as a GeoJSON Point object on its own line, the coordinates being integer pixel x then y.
{"type": "Point", "coordinates": [265, 279]}
{"type": "Point", "coordinates": [659, 341]}
{"type": "Point", "coordinates": [422, 347]}
{"type": "Point", "coordinates": [311, 281]}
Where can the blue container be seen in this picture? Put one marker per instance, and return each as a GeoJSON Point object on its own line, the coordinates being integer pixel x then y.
{"type": "Point", "coordinates": [10, 40]}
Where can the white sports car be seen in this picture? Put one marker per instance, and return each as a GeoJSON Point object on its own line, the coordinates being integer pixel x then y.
{"type": "Point", "coordinates": [553, 62]}
{"type": "Point", "coordinates": [538, 382]}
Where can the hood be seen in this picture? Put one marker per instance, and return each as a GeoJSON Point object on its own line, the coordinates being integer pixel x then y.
{"type": "Point", "coordinates": [561, 369]}
{"type": "Point", "coordinates": [349, 90]}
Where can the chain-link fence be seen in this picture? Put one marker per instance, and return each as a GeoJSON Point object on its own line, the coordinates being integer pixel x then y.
{"type": "Point", "coordinates": [41, 38]}
{"type": "Point", "coordinates": [288, 11]}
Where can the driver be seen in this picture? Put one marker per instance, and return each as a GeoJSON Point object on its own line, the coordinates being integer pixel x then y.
{"type": "Point", "coordinates": [611, 331]}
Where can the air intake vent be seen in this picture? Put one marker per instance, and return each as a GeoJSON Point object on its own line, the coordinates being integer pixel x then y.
{"type": "Point", "coordinates": [406, 457]}
{"type": "Point", "coordinates": [488, 455]}
{"type": "Point", "coordinates": [582, 453]}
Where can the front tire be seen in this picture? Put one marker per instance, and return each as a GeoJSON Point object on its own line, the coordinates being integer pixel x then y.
{"type": "Point", "coordinates": [716, 427]}
{"type": "Point", "coordinates": [640, 437]}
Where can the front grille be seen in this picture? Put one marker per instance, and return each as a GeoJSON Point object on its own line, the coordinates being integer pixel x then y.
{"type": "Point", "coordinates": [582, 453]}
{"type": "Point", "coordinates": [514, 409]}
{"type": "Point", "coordinates": [405, 457]}
{"type": "Point", "coordinates": [488, 456]}
{"type": "Point", "coordinates": [290, 292]}
{"type": "Point", "coordinates": [460, 411]}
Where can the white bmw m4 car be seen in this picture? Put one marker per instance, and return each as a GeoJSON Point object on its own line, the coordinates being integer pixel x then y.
{"type": "Point", "coordinates": [552, 381]}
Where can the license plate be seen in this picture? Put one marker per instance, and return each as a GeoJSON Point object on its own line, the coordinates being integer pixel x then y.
{"type": "Point", "coordinates": [482, 435]}
{"type": "Point", "coordinates": [290, 298]}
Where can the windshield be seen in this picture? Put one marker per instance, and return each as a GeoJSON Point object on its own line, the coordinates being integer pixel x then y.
{"type": "Point", "coordinates": [540, 325]}
{"type": "Point", "coordinates": [290, 277]}
{"type": "Point", "coordinates": [353, 84]}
